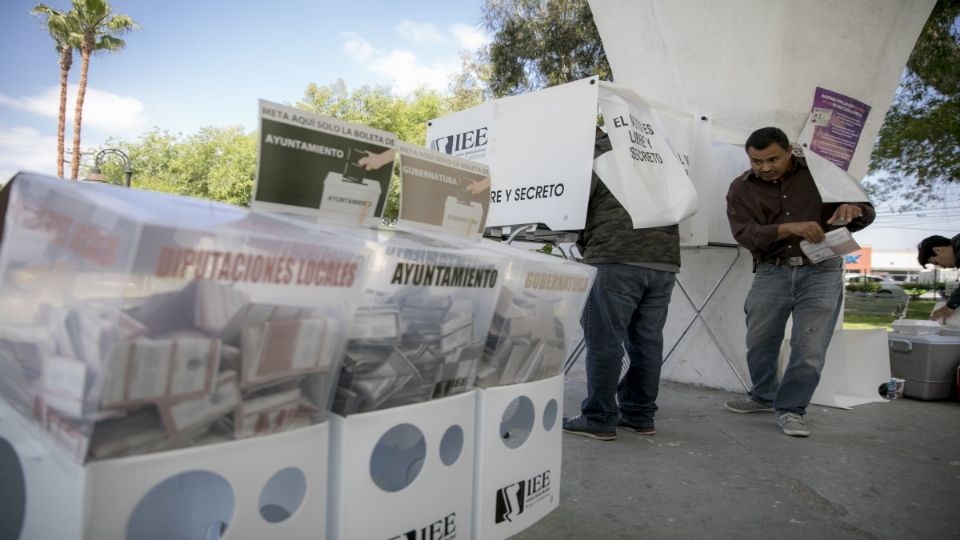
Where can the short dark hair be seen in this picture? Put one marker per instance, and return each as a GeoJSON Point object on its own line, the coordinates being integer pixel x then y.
{"type": "Point", "coordinates": [764, 137]}
{"type": "Point", "coordinates": [925, 247]}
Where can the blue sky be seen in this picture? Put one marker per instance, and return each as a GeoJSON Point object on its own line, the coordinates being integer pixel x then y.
{"type": "Point", "coordinates": [202, 63]}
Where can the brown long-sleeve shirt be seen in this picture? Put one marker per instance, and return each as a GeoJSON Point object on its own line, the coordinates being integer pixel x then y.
{"type": "Point", "coordinates": [756, 207]}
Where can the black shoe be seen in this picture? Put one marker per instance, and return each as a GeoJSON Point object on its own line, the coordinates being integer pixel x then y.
{"type": "Point", "coordinates": [578, 425]}
{"type": "Point", "coordinates": [642, 430]}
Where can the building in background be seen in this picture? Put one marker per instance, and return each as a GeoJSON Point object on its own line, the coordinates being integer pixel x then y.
{"type": "Point", "coordinates": [898, 265]}
{"type": "Point", "coordinates": [859, 261]}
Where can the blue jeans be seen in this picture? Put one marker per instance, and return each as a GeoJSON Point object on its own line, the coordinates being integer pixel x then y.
{"type": "Point", "coordinates": [627, 305]}
{"type": "Point", "coordinates": [812, 293]}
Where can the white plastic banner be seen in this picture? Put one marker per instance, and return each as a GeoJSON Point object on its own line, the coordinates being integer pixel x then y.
{"type": "Point", "coordinates": [643, 170]}
{"type": "Point", "coordinates": [834, 183]}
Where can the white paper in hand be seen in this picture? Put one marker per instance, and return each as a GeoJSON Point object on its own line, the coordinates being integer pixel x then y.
{"type": "Point", "coordinates": [836, 243]}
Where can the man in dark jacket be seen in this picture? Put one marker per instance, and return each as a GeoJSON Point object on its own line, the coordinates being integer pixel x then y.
{"type": "Point", "coordinates": [945, 253]}
{"type": "Point", "coordinates": [627, 308]}
{"type": "Point", "coordinates": [771, 208]}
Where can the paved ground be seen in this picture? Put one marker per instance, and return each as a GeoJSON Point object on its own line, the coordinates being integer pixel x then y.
{"type": "Point", "coordinates": [883, 470]}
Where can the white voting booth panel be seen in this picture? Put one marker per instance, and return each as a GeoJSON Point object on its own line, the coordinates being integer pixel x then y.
{"type": "Point", "coordinates": [539, 147]}
{"type": "Point", "coordinates": [858, 362]}
{"type": "Point", "coordinates": [266, 487]}
{"type": "Point", "coordinates": [518, 456]}
{"type": "Point", "coordinates": [404, 472]}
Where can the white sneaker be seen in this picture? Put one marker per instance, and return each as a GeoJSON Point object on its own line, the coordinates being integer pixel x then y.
{"type": "Point", "coordinates": [792, 425]}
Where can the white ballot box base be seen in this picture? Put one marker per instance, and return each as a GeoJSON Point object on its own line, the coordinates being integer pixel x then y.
{"type": "Point", "coordinates": [404, 472]}
{"type": "Point", "coordinates": [518, 456]}
{"type": "Point", "coordinates": [265, 487]}
{"type": "Point", "coordinates": [41, 488]}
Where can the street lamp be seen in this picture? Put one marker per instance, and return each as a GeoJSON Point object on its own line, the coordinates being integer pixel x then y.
{"type": "Point", "coordinates": [95, 173]}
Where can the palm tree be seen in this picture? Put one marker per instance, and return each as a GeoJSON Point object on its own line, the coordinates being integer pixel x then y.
{"type": "Point", "coordinates": [100, 29]}
{"type": "Point", "coordinates": [63, 30]}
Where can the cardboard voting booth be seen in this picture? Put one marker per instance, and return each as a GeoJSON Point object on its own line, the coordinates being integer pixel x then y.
{"type": "Point", "coordinates": [168, 363]}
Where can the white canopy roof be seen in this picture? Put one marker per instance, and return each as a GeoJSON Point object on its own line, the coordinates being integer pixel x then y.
{"type": "Point", "coordinates": [755, 63]}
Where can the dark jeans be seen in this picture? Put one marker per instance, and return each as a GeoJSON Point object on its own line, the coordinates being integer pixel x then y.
{"type": "Point", "coordinates": [627, 306]}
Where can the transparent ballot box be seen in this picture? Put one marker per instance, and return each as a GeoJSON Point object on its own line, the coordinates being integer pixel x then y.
{"type": "Point", "coordinates": [537, 317]}
{"type": "Point", "coordinates": [420, 331]}
{"type": "Point", "coordinates": [133, 322]}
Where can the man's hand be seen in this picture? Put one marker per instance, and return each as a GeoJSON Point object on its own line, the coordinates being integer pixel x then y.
{"type": "Point", "coordinates": [844, 214]}
{"type": "Point", "coordinates": [477, 187]}
{"type": "Point", "coordinates": [943, 313]}
{"type": "Point", "coordinates": [373, 161]}
{"type": "Point", "coordinates": [808, 230]}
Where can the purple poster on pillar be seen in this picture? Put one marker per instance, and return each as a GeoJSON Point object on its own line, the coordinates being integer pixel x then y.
{"type": "Point", "coordinates": [839, 120]}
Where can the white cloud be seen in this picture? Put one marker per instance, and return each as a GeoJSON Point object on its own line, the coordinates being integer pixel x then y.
{"type": "Point", "coordinates": [103, 111]}
{"type": "Point", "coordinates": [406, 73]}
{"type": "Point", "coordinates": [357, 48]}
{"type": "Point", "coordinates": [419, 32]}
{"type": "Point", "coordinates": [25, 149]}
{"type": "Point", "coordinates": [401, 67]}
{"type": "Point", "coordinates": [471, 38]}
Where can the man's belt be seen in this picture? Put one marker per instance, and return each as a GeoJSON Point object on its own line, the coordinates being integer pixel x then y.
{"type": "Point", "coordinates": [787, 261]}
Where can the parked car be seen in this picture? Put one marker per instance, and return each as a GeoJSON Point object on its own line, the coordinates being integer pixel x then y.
{"type": "Point", "coordinates": [887, 284]}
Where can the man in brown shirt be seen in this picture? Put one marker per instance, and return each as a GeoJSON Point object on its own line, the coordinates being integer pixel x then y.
{"type": "Point", "coordinates": [771, 208]}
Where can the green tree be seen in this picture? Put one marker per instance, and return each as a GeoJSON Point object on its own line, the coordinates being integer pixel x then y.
{"type": "Point", "coordinates": [917, 153]}
{"type": "Point", "coordinates": [470, 86]}
{"type": "Point", "coordinates": [63, 27]}
{"type": "Point", "coordinates": [215, 163]}
{"type": "Point", "coordinates": [100, 29]}
{"type": "Point", "coordinates": [540, 43]}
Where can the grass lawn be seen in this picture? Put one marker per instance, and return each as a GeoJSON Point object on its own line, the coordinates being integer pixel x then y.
{"type": "Point", "coordinates": [918, 309]}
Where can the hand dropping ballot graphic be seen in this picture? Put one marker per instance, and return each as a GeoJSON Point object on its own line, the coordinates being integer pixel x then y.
{"type": "Point", "coordinates": [442, 192]}
{"type": "Point", "coordinates": [320, 166]}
